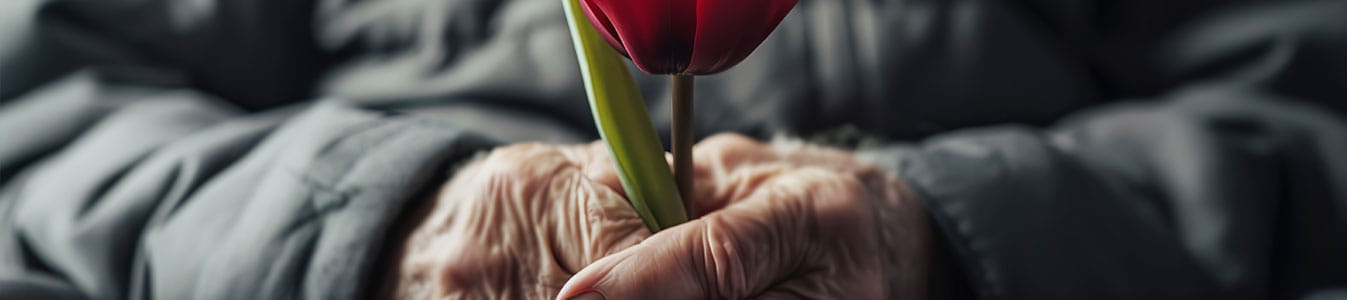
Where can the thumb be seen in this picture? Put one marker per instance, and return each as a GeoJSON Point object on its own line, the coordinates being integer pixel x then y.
{"type": "Point", "coordinates": [734, 253]}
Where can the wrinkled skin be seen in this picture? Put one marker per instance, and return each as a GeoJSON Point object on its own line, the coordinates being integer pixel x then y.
{"type": "Point", "coordinates": [775, 221]}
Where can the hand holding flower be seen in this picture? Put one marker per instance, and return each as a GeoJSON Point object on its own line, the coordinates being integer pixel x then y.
{"type": "Point", "coordinates": [677, 37]}
{"type": "Point", "coordinates": [774, 220]}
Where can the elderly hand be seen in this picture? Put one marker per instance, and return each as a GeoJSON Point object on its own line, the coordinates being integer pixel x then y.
{"type": "Point", "coordinates": [775, 221]}
{"type": "Point", "coordinates": [515, 225]}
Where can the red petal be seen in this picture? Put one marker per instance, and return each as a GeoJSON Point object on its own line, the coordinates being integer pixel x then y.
{"type": "Point", "coordinates": [656, 34]}
{"type": "Point", "coordinates": [601, 24]}
{"type": "Point", "coordinates": [729, 30]}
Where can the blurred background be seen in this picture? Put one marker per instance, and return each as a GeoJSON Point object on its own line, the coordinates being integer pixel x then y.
{"type": "Point", "coordinates": [899, 69]}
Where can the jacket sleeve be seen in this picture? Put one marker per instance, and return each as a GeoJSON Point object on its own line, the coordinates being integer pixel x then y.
{"type": "Point", "coordinates": [1213, 193]}
{"type": "Point", "coordinates": [114, 192]}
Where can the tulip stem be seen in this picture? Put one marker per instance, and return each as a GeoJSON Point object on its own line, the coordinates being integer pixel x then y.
{"type": "Point", "coordinates": [624, 125]}
{"type": "Point", "coordinates": [681, 136]}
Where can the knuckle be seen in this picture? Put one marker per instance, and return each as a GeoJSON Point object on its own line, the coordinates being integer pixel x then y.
{"type": "Point", "coordinates": [726, 152]}
{"type": "Point", "coordinates": [722, 258]}
{"type": "Point", "coordinates": [837, 198]}
{"type": "Point", "coordinates": [513, 177]}
{"type": "Point", "coordinates": [524, 164]}
{"type": "Point", "coordinates": [515, 154]}
{"type": "Point", "coordinates": [724, 141]}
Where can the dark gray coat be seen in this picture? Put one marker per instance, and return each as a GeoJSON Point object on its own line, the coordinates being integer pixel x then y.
{"type": "Point", "coordinates": [256, 149]}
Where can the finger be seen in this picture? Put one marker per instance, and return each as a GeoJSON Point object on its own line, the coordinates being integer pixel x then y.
{"type": "Point", "coordinates": [804, 154]}
{"type": "Point", "coordinates": [596, 163]}
{"type": "Point", "coordinates": [678, 263]}
{"type": "Point", "coordinates": [712, 157]}
{"type": "Point", "coordinates": [486, 203]}
{"type": "Point", "coordinates": [723, 153]}
{"type": "Point", "coordinates": [523, 209]}
{"type": "Point", "coordinates": [572, 198]}
{"type": "Point", "coordinates": [726, 165]}
{"type": "Point", "coordinates": [720, 163]}
{"type": "Point", "coordinates": [594, 221]}
{"type": "Point", "coordinates": [745, 249]}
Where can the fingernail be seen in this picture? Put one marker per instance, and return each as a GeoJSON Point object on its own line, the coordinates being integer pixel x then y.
{"type": "Point", "coordinates": [589, 296]}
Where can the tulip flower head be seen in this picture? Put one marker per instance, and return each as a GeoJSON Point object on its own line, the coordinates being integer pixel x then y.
{"type": "Point", "coordinates": [685, 37]}
{"type": "Point", "coordinates": [680, 38]}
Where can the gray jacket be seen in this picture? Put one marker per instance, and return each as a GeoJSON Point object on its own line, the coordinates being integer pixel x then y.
{"type": "Point", "coordinates": [253, 149]}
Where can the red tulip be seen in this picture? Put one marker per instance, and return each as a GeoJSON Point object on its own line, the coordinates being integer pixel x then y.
{"type": "Point", "coordinates": [686, 37]}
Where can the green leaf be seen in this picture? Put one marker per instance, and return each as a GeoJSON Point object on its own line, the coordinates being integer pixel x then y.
{"type": "Point", "coordinates": [620, 114]}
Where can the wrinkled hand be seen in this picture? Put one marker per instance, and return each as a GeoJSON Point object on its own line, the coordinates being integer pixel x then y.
{"type": "Point", "coordinates": [776, 221]}
{"type": "Point", "coordinates": [515, 225]}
